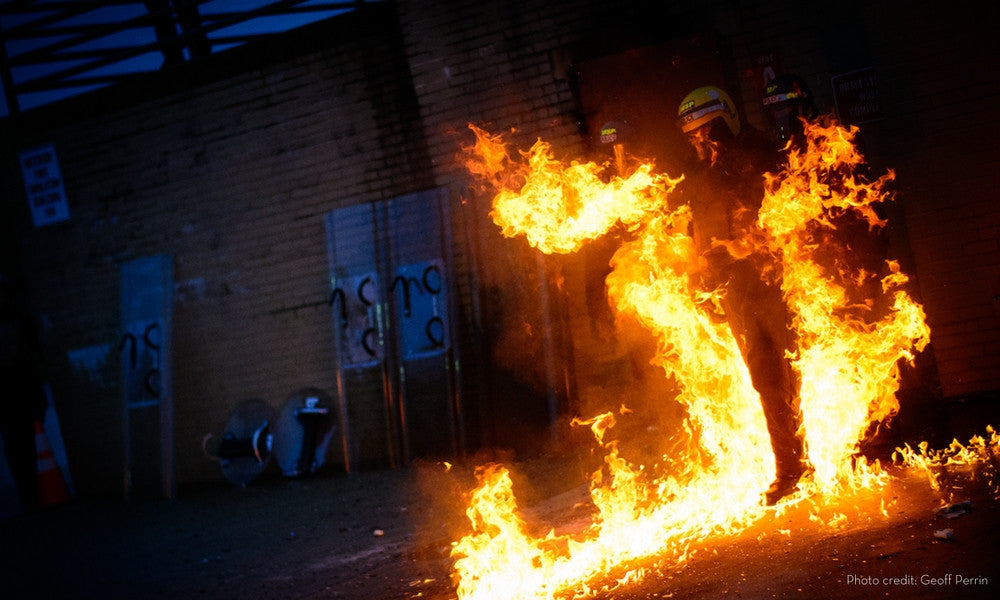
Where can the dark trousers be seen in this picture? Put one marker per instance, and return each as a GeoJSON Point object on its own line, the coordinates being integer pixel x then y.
{"type": "Point", "coordinates": [758, 317]}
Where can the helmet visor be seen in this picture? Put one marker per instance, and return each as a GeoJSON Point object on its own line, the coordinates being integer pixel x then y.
{"type": "Point", "coordinates": [784, 119]}
{"type": "Point", "coordinates": [696, 117]}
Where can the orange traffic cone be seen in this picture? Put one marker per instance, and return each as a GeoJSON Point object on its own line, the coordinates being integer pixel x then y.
{"type": "Point", "coordinates": [52, 488]}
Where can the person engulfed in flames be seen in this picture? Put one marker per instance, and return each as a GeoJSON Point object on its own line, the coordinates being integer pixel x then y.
{"type": "Point", "coordinates": [724, 192]}
{"type": "Point", "coordinates": [738, 269]}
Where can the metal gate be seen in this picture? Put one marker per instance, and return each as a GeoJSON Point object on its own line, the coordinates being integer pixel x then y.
{"type": "Point", "coordinates": [392, 298]}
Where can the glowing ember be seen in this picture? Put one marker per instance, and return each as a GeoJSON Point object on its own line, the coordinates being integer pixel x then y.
{"type": "Point", "coordinates": [847, 358]}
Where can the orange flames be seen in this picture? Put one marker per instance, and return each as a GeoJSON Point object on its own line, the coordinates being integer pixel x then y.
{"type": "Point", "coordinates": [848, 360]}
{"type": "Point", "coordinates": [849, 348]}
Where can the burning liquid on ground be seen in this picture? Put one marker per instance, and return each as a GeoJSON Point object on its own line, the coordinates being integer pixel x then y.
{"type": "Point", "coordinates": [854, 327]}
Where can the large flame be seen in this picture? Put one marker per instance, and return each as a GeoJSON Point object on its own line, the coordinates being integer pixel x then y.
{"type": "Point", "coordinates": [847, 356]}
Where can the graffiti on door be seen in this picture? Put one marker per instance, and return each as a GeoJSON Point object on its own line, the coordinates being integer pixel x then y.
{"type": "Point", "coordinates": [422, 310]}
{"type": "Point", "coordinates": [356, 311]}
{"type": "Point", "coordinates": [140, 347]}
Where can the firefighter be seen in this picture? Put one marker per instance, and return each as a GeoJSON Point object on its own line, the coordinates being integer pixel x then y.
{"type": "Point", "coordinates": [787, 101]}
{"type": "Point", "coordinates": [597, 255]}
{"type": "Point", "coordinates": [724, 190]}
{"type": "Point", "coordinates": [788, 105]}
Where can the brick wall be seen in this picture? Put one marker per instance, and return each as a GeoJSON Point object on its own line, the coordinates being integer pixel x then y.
{"type": "Point", "coordinates": [940, 134]}
{"type": "Point", "coordinates": [233, 178]}
{"type": "Point", "coordinates": [231, 170]}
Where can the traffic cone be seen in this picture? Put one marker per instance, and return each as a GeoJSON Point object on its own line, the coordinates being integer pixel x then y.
{"type": "Point", "coordinates": [52, 488]}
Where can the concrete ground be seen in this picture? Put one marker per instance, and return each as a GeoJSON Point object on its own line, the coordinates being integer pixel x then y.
{"type": "Point", "coordinates": [326, 537]}
{"type": "Point", "coordinates": [387, 534]}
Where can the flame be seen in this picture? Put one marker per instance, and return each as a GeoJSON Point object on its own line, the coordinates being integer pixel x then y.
{"type": "Point", "coordinates": [559, 208]}
{"type": "Point", "coordinates": [847, 357]}
{"type": "Point", "coordinates": [934, 464]}
{"type": "Point", "coordinates": [848, 360]}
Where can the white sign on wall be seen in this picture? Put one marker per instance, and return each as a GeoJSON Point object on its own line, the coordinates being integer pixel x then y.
{"type": "Point", "coordinates": [856, 96]}
{"type": "Point", "coordinates": [44, 185]}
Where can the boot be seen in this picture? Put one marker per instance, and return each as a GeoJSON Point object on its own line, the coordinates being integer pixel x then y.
{"type": "Point", "coordinates": [787, 482]}
{"type": "Point", "coordinates": [782, 486]}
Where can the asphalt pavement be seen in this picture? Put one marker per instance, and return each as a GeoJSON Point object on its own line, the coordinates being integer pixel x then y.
{"type": "Point", "coordinates": [387, 534]}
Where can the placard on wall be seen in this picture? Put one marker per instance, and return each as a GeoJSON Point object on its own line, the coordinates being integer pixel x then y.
{"type": "Point", "coordinates": [44, 185]}
{"type": "Point", "coordinates": [856, 95]}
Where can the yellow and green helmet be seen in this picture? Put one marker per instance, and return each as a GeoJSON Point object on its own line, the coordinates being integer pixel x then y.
{"type": "Point", "coordinates": [705, 104]}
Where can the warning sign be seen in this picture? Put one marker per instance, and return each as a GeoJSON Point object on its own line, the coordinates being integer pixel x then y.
{"type": "Point", "coordinates": [44, 185]}
{"type": "Point", "coordinates": [857, 97]}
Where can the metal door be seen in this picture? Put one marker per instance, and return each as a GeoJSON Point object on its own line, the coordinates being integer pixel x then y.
{"type": "Point", "coordinates": [147, 322]}
{"type": "Point", "coordinates": [391, 296]}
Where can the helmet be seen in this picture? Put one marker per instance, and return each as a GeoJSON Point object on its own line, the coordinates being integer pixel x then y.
{"type": "Point", "coordinates": [615, 132]}
{"type": "Point", "coordinates": [704, 105]}
{"type": "Point", "coordinates": [786, 98]}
